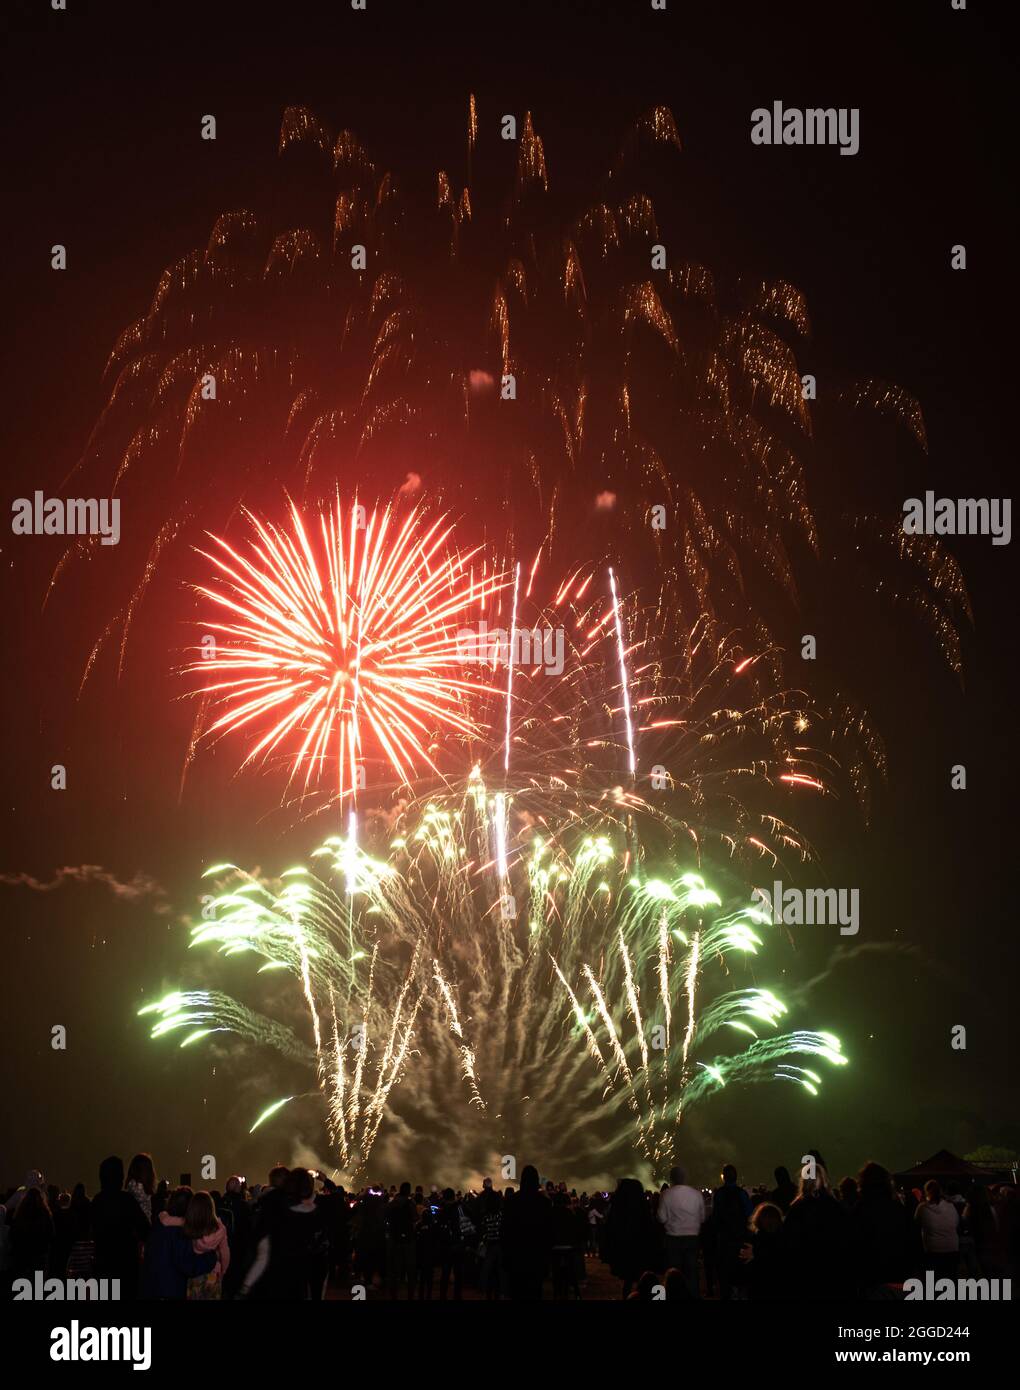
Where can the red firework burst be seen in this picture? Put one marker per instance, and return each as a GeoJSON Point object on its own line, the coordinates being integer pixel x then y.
{"type": "Point", "coordinates": [347, 631]}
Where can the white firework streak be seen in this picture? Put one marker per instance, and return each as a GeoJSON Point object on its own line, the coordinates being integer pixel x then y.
{"type": "Point", "coordinates": [336, 1101]}
{"type": "Point", "coordinates": [320, 1064]}
{"type": "Point", "coordinates": [593, 1046]}
{"type": "Point", "coordinates": [378, 1107]}
{"type": "Point", "coordinates": [382, 1087]}
{"type": "Point", "coordinates": [664, 975]}
{"type": "Point", "coordinates": [362, 1049]}
{"type": "Point", "coordinates": [632, 1003]}
{"type": "Point", "coordinates": [467, 1056]}
{"type": "Point", "coordinates": [614, 1041]}
{"type": "Point", "coordinates": [692, 983]}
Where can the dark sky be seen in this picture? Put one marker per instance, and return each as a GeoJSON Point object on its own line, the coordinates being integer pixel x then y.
{"type": "Point", "coordinates": [101, 107]}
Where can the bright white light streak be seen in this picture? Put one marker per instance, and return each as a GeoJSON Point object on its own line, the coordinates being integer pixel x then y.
{"type": "Point", "coordinates": [623, 671]}
{"type": "Point", "coordinates": [510, 668]}
{"type": "Point", "coordinates": [500, 832]}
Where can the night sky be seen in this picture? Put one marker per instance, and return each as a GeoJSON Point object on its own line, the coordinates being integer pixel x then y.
{"type": "Point", "coordinates": [103, 109]}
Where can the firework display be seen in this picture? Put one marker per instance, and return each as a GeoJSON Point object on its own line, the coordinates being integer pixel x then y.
{"type": "Point", "coordinates": [508, 583]}
{"type": "Point", "coordinates": [486, 918]}
{"type": "Point", "coordinates": [572, 732]}
{"type": "Point", "coordinates": [513, 921]}
{"type": "Point", "coordinates": [507, 603]}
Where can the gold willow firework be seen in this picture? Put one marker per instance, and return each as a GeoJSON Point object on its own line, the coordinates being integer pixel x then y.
{"type": "Point", "coordinates": [541, 962]}
{"type": "Point", "coordinates": [351, 628]}
{"type": "Point", "coordinates": [541, 373]}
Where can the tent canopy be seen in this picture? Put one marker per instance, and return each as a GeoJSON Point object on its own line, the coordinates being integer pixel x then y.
{"type": "Point", "coordinates": [944, 1165]}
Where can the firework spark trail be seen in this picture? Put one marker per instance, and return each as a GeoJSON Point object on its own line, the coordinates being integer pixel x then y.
{"type": "Point", "coordinates": [619, 1055]}
{"type": "Point", "coordinates": [360, 1046]}
{"type": "Point", "coordinates": [664, 977]}
{"type": "Point", "coordinates": [397, 1058]}
{"type": "Point", "coordinates": [313, 1012]}
{"type": "Point", "coordinates": [620, 1058]}
{"type": "Point", "coordinates": [639, 1031]}
{"type": "Point", "coordinates": [691, 985]}
{"type": "Point", "coordinates": [632, 1000]}
{"type": "Point", "coordinates": [510, 671]}
{"type": "Point", "coordinates": [568, 927]}
{"type": "Point", "coordinates": [209, 1011]}
{"type": "Point", "coordinates": [392, 1061]}
{"type": "Point", "coordinates": [499, 830]}
{"type": "Point", "coordinates": [624, 684]}
{"type": "Point", "coordinates": [467, 1056]}
{"type": "Point", "coordinates": [270, 1111]}
{"type": "Point", "coordinates": [582, 1019]}
{"type": "Point", "coordinates": [336, 1096]}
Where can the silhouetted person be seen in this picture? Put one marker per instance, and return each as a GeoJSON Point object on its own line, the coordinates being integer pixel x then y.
{"type": "Point", "coordinates": [980, 1218]}
{"type": "Point", "coordinates": [817, 1231]}
{"type": "Point", "coordinates": [632, 1237]}
{"type": "Point", "coordinates": [119, 1229]}
{"type": "Point", "coordinates": [81, 1255]}
{"type": "Point", "coordinates": [784, 1191]}
{"type": "Point", "coordinates": [333, 1201]}
{"type": "Point", "coordinates": [764, 1256]}
{"type": "Point", "coordinates": [527, 1238]}
{"type": "Point", "coordinates": [369, 1232]}
{"type": "Point", "coordinates": [491, 1248]}
{"type": "Point", "coordinates": [426, 1248]}
{"type": "Point", "coordinates": [450, 1232]}
{"type": "Point", "coordinates": [566, 1237]}
{"type": "Point", "coordinates": [272, 1200]}
{"type": "Point", "coordinates": [72, 1223]}
{"type": "Point", "coordinates": [884, 1246]}
{"type": "Point", "coordinates": [240, 1229]}
{"type": "Point", "coordinates": [141, 1183]}
{"type": "Point", "coordinates": [731, 1210]}
{"type": "Point", "coordinates": [298, 1243]}
{"type": "Point", "coordinates": [400, 1223]}
{"type": "Point", "coordinates": [162, 1196]}
{"type": "Point", "coordinates": [32, 1235]}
